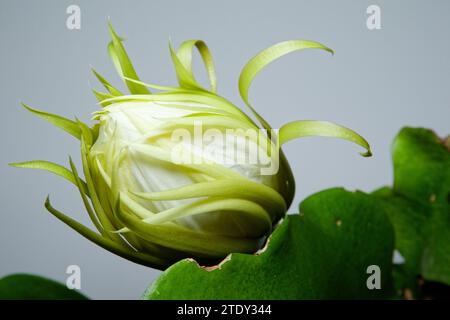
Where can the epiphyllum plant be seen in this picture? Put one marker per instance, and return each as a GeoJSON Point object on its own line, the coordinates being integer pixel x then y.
{"type": "Point", "coordinates": [153, 211]}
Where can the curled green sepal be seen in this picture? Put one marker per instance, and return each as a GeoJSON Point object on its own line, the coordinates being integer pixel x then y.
{"type": "Point", "coordinates": [185, 78]}
{"type": "Point", "coordinates": [140, 258]}
{"type": "Point", "coordinates": [154, 86]}
{"type": "Point", "coordinates": [265, 57]}
{"type": "Point", "coordinates": [307, 128]}
{"type": "Point", "coordinates": [184, 55]}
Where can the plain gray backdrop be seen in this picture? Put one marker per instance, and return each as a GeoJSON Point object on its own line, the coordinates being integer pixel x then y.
{"type": "Point", "coordinates": [377, 82]}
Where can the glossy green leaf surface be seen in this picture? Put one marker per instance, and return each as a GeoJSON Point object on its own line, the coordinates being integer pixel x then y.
{"type": "Point", "coordinates": [419, 206]}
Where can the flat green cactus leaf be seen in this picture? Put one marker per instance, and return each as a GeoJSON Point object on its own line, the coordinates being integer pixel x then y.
{"type": "Point", "coordinates": [419, 206]}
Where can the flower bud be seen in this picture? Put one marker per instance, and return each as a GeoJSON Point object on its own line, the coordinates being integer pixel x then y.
{"type": "Point", "coordinates": [182, 172]}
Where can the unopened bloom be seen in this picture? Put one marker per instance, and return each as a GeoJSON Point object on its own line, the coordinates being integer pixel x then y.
{"type": "Point", "coordinates": [182, 172]}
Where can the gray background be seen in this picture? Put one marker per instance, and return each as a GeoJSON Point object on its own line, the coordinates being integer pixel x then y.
{"type": "Point", "coordinates": [377, 82]}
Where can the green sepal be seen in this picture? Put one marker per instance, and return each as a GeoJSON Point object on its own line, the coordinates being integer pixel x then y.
{"type": "Point", "coordinates": [108, 244]}
{"type": "Point", "coordinates": [101, 96]}
{"type": "Point", "coordinates": [85, 199]}
{"type": "Point", "coordinates": [123, 63]}
{"type": "Point", "coordinates": [184, 55]}
{"type": "Point", "coordinates": [200, 244]}
{"type": "Point", "coordinates": [308, 128]}
{"type": "Point", "coordinates": [67, 125]}
{"type": "Point", "coordinates": [111, 89]}
{"type": "Point", "coordinates": [21, 286]}
{"type": "Point", "coordinates": [265, 57]}
{"type": "Point", "coordinates": [53, 168]}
